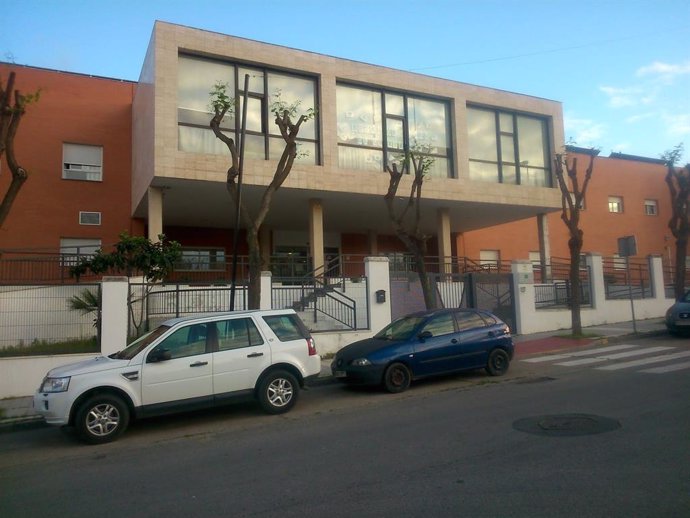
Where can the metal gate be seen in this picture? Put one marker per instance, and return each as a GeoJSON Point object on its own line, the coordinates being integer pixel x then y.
{"type": "Point", "coordinates": [492, 292]}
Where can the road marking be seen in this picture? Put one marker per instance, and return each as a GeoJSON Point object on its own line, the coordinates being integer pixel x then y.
{"type": "Point", "coordinates": [589, 352]}
{"type": "Point", "coordinates": [617, 356]}
{"type": "Point", "coordinates": [668, 368]}
{"type": "Point", "coordinates": [645, 361]}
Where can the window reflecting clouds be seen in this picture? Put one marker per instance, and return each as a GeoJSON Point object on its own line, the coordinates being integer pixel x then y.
{"type": "Point", "coordinates": [366, 116]}
{"type": "Point", "coordinates": [521, 141]}
{"type": "Point", "coordinates": [196, 79]}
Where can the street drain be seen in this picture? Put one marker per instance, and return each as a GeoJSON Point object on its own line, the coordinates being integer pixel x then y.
{"type": "Point", "coordinates": [566, 425]}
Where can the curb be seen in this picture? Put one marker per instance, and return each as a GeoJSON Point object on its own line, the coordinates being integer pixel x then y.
{"type": "Point", "coordinates": [16, 424]}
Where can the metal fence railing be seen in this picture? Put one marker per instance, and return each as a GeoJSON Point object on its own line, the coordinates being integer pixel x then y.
{"type": "Point", "coordinates": [553, 287]}
{"type": "Point", "coordinates": [625, 279]}
{"type": "Point", "coordinates": [34, 314]}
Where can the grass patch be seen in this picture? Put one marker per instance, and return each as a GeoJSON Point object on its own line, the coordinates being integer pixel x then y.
{"type": "Point", "coordinates": [43, 348]}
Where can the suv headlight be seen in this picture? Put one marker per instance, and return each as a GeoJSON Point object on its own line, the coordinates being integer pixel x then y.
{"type": "Point", "coordinates": [361, 362]}
{"type": "Point", "coordinates": [55, 384]}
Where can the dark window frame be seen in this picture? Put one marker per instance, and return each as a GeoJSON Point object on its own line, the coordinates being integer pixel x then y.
{"type": "Point", "coordinates": [385, 150]}
{"type": "Point", "coordinates": [265, 98]}
{"type": "Point", "coordinates": [518, 164]}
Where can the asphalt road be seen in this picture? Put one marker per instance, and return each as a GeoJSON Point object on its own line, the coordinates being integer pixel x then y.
{"type": "Point", "coordinates": [450, 447]}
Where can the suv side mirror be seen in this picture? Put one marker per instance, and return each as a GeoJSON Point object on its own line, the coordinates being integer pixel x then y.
{"type": "Point", "coordinates": [158, 355]}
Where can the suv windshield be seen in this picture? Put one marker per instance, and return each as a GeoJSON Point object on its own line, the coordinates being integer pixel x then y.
{"type": "Point", "coordinates": [139, 344]}
{"type": "Point", "coordinates": [401, 329]}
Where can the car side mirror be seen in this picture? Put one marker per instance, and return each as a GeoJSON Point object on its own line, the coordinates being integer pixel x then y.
{"type": "Point", "coordinates": [424, 335]}
{"type": "Point", "coordinates": [158, 355]}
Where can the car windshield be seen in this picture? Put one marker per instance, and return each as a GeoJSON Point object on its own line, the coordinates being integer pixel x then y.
{"type": "Point", "coordinates": [139, 344]}
{"type": "Point", "coordinates": [401, 329]}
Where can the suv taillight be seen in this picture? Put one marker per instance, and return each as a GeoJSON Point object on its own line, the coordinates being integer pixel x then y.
{"type": "Point", "coordinates": [311, 346]}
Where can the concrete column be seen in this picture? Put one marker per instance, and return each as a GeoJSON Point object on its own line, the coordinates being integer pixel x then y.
{"type": "Point", "coordinates": [597, 285]}
{"type": "Point", "coordinates": [544, 247]}
{"type": "Point", "coordinates": [525, 305]}
{"type": "Point", "coordinates": [378, 278]}
{"type": "Point", "coordinates": [266, 299]}
{"type": "Point", "coordinates": [373, 242]}
{"type": "Point", "coordinates": [155, 213]}
{"type": "Point", "coordinates": [656, 272]}
{"type": "Point", "coordinates": [445, 250]}
{"type": "Point", "coordinates": [114, 314]}
{"type": "Point", "coordinates": [316, 234]}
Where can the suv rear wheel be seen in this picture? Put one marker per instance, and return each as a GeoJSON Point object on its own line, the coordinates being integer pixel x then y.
{"type": "Point", "coordinates": [278, 392]}
{"type": "Point", "coordinates": [102, 418]}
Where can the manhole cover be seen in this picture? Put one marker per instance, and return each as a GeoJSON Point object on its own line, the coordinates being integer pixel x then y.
{"type": "Point", "coordinates": [566, 425]}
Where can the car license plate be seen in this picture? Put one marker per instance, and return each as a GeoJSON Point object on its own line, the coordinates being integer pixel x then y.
{"type": "Point", "coordinates": [340, 374]}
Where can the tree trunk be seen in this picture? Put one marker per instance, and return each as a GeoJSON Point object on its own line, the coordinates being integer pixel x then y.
{"type": "Point", "coordinates": [575, 318]}
{"type": "Point", "coordinates": [18, 180]}
{"type": "Point", "coordinates": [427, 285]}
{"type": "Point", "coordinates": [255, 268]}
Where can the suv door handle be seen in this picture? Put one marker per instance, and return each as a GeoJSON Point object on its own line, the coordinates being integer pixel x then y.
{"type": "Point", "coordinates": [198, 364]}
{"type": "Point", "coordinates": [255, 355]}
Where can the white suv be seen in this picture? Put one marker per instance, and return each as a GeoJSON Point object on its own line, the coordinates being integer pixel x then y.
{"type": "Point", "coordinates": [184, 364]}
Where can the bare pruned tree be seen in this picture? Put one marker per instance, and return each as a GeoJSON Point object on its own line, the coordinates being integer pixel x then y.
{"type": "Point", "coordinates": [12, 108]}
{"type": "Point", "coordinates": [406, 216]}
{"type": "Point", "coordinates": [573, 191]}
{"type": "Point", "coordinates": [288, 121]}
{"type": "Point", "coordinates": [678, 181]}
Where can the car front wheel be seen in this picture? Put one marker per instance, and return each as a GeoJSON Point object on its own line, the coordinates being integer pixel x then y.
{"type": "Point", "coordinates": [102, 419]}
{"type": "Point", "coordinates": [397, 378]}
{"type": "Point", "coordinates": [278, 392]}
{"type": "Point", "coordinates": [498, 362]}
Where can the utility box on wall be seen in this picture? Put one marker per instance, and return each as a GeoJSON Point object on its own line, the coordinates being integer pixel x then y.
{"type": "Point", "coordinates": [525, 273]}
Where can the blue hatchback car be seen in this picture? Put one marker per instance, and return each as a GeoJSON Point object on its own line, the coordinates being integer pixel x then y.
{"type": "Point", "coordinates": [426, 344]}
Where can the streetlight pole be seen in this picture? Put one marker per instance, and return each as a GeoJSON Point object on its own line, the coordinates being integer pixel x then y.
{"type": "Point", "coordinates": [238, 213]}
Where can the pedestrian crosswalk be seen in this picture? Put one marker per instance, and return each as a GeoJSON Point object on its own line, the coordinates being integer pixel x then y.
{"type": "Point", "coordinates": [619, 357]}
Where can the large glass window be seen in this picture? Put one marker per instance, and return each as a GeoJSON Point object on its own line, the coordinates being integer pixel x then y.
{"type": "Point", "coordinates": [196, 78]}
{"type": "Point", "coordinates": [377, 128]}
{"type": "Point", "coordinates": [203, 259]}
{"type": "Point", "coordinates": [507, 147]}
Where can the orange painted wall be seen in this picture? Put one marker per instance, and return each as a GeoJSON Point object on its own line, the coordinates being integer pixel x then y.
{"type": "Point", "coordinates": [77, 109]}
{"type": "Point", "coordinates": [634, 181]}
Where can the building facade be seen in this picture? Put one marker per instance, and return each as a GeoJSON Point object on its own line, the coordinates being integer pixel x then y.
{"type": "Point", "coordinates": [76, 143]}
{"type": "Point", "coordinates": [491, 150]}
{"type": "Point", "coordinates": [107, 156]}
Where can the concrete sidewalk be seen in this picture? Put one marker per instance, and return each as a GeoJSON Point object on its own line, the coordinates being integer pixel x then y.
{"type": "Point", "coordinates": [17, 413]}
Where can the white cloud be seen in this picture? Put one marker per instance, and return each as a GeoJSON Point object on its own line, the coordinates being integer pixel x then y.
{"type": "Point", "coordinates": [634, 119]}
{"type": "Point", "coordinates": [584, 132]}
{"type": "Point", "coordinates": [678, 124]}
{"type": "Point", "coordinates": [666, 72]}
{"type": "Point", "coordinates": [630, 96]}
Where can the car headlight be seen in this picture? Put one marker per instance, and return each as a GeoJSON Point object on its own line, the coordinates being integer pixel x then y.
{"type": "Point", "coordinates": [361, 362]}
{"type": "Point", "coordinates": [55, 384]}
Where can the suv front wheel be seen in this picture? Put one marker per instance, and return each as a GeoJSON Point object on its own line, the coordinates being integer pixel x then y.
{"type": "Point", "coordinates": [278, 392]}
{"type": "Point", "coordinates": [102, 418]}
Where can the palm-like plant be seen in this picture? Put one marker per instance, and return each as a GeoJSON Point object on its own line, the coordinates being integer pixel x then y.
{"type": "Point", "coordinates": [88, 302]}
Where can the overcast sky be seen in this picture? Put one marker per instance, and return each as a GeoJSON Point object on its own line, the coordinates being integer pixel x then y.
{"type": "Point", "coordinates": [621, 68]}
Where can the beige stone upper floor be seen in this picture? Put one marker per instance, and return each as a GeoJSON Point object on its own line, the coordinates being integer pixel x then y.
{"type": "Point", "coordinates": [193, 183]}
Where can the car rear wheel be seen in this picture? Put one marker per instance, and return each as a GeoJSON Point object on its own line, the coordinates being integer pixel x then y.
{"type": "Point", "coordinates": [278, 392]}
{"type": "Point", "coordinates": [498, 362]}
{"type": "Point", "coordinates": [102, 419]}
{"type": "Point", "coordinates": [397, 378]}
